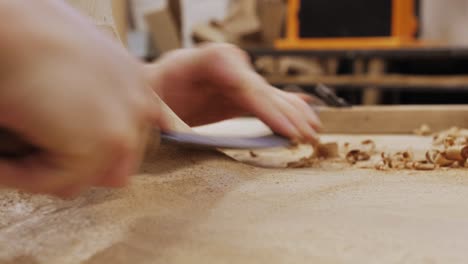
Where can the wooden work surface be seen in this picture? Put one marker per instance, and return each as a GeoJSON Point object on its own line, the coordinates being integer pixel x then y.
{"type": "Point", "coordinates": [190, 206]}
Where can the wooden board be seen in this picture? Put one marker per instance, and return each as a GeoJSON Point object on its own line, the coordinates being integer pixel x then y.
{"type": "Point", "coordinates": [119, 11]}
{"type": "Point", "coordinates": [189, 206]}
{"type": "Point", "coordinates": [402, 119]}
{"type": "Point", "coordinates": [392, 119]}
{"type": "Point", "coordinates": [164, 33]}
{"type": "Point", "coordinates": [385, 80]}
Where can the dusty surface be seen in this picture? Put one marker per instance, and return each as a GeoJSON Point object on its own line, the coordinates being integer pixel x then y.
{"type": "Point", "coordinates": [200, 207]}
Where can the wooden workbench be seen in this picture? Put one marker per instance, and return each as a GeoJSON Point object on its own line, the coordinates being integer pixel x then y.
{"type": "Point", "coordinates": [190, 206]}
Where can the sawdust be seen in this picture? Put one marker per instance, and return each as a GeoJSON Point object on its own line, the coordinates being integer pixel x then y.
{"type": "Point", "coordinates": [192, 206]}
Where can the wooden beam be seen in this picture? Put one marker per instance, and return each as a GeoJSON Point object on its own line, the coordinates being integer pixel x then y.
{"type": "Point", "coordinates": [119, 11]}
{"type": "Point", "coordinates": [372, 95]}
{"type": "Point", "coordinates": [163, 29]}
{"type": "Point", "coordinates": [392, 119]}
{"type": "Point", "coordinates": [387, 80]}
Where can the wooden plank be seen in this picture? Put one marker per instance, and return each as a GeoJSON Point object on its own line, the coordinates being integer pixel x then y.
{"type": "Point", "coordinates": [371, 95]}
{"type": "Point", "coordinates": [392, 119]}
{"type": "Point", "coordinates": [119, 10]}
{"type": "Point", "coordinates": [387, 80]}
{"type": "Point", "coordinates": [189, 206]}
{"type": "Point", "coordinates": [163, 30]}
{"type": "Point", "coordinates": [432, 51]}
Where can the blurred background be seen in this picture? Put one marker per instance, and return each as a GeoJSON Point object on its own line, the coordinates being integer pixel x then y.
{"type": "Point", "coordinates": [368, 51]}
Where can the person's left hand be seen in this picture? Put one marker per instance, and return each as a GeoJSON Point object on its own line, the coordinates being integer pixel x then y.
{"type": "Point", "coordinates": [216, 82]}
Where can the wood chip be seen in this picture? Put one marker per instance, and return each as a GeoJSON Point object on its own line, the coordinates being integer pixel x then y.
{"type": "Point", "coordinates": [253, 154]}
{"type": "Point", "coordinates": [424, 130]}
{"type": "Point", "coordinates": [327, 150]}
{"type": "Point", "coordinates": [424, 165]}
{"type": "Point", "coordinates": [456, 153]}
{"type": "Point", "coordinates": [356, 155]}
{"type": "Point", "coordinates": [437, 157]}
{"type": "Point", "coordinates": [302, 163]}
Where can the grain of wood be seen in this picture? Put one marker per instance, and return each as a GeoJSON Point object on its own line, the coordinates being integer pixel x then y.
{"type": "Point", "coordinates": [199, 207]}
{"type": "Point", "coordinates": [392, 119]}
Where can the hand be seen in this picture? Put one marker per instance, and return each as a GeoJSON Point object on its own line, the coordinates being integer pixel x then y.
{"type": "Point", "coordinates": [216, 82]}
{"type": "Point", "coordinates": [74, 94]}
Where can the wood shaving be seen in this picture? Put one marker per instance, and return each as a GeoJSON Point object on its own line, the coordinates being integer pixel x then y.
{"type": "Point", "coordinates": [423, 165]}
{"type": "Point", "coordinates": [326, 150]}
{"type": "Point", "coordinates": [450, 150]}
{"type": "Point", "coordinates": [361, 152]}
{"type": "Point", "coordinates": [303, 163]}
{"type": "Point", "coordinates": [356, 155]}
{"type": "Point", "coordinates": [459, 135]}
{"type": "Point", "coordinates": [321, 151]}
{"type": "Point", "coordinates": [424, 130]}
{"type": "Point", "coordinates": [253, 154]}
{"type": "Point", "coordinates": [368, 146]}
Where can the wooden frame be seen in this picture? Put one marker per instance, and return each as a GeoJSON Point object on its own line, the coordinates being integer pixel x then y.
{"type": "Point", "coordinates": [399, 119]}
{"type": "Point", "coordinates": [404, 25]}
{"type": "Point", "coordinates": [380, 81]}
{"type": "Point", "coordinates": [119, 11]}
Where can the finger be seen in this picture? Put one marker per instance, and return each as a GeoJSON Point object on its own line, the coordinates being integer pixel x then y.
{"type": "Point", "coordinates": [32, 176]}
{"type": "Point", "coordinates": [167, 120]}
{"type": "Point", "coordinates": [124, 159]}
{"type": "Point", "coordinates": [308, 112]}
{"type": "Point", "coordinates": [264, 107]}
{"type": "Point", "coordinates": [297, 118]}
{"type": "Point", "coordinates": [257, 97]}
{"type": "Point", "coordinates": [118, 172]}
{"type": "Point", "coordinates": [123, 164]}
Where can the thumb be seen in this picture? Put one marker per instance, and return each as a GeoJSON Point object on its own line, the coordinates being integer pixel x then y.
{"type": "Point", "coordinates": [167, 120]}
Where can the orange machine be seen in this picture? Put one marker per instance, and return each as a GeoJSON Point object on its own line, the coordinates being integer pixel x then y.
{"type": "Point", "coordinates": [403, 29]}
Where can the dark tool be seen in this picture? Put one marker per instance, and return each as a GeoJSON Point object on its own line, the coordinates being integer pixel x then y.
{"type": "Point", "coordinates": [329, 97]}
{"type": "Point", "coordinates": [203, 141]}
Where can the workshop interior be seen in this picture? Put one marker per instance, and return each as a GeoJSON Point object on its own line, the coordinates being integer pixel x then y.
{"type": "Point", "coordinates": [379, 88]}
{"type": "Point", "coordinates": [370, 52]}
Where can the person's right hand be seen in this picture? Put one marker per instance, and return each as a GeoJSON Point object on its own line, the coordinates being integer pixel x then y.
{"type": "Point", "coordinates": [73, 93]}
